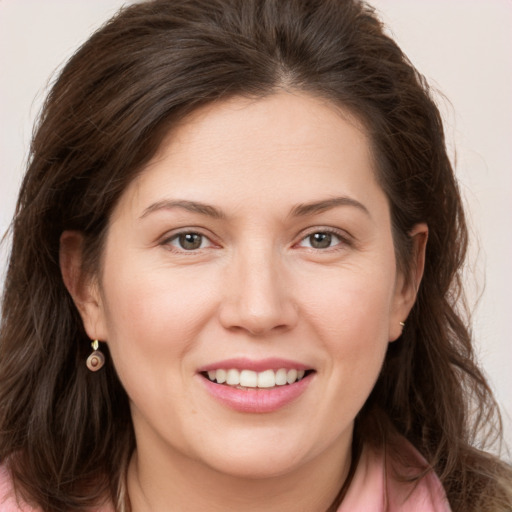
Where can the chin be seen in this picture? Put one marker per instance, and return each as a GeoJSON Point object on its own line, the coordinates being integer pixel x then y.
{"type": "Point", "coordinates": [260, 454]}
{"type": "Point", "coordinates": [257, 466]}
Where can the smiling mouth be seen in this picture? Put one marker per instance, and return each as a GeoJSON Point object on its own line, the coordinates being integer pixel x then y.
{"type": "Point", "coordinates": [249, 379]}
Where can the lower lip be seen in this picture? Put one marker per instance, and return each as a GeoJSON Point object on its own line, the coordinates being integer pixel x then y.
{"type": "Point", "coordinates": [257, 400]}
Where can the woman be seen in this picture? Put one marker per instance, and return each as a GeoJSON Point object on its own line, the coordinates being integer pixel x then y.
{"type": "Point", "coordinates": [220, 293]}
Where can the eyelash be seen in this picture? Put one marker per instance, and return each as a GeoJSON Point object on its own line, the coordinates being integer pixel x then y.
{"type": "Point", "coordinates": [330, 232]}
{"type": "Point", "coordinates": [343, 239]}
{"type": "Point", "coordinates": [176, 237]}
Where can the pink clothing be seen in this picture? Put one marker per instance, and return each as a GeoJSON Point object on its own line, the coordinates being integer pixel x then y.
{"type": "Point", "coordinates": [373, 489]}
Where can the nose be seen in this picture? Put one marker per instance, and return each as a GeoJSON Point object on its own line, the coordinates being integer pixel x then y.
{"type": "Point", "coordinates": [258, 299]}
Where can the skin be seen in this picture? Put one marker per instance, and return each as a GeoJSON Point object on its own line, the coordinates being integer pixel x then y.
{"type": "Point", "coordinates": [255, 288]}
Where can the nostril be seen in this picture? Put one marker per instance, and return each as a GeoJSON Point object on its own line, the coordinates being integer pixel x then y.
{"type": "Point", "coordinates": [255, 327]}
{"type": "Point", "coordinates": [258, 305]}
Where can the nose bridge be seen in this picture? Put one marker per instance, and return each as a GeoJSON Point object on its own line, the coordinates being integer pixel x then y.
{"type": "Point", "coordinates": [257, 298]}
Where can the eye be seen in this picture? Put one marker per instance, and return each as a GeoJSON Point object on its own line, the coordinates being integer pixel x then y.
{"type": "Point", "coordinates": [321, 240]}
{"type": "Point", "coordinates": [188, 241]}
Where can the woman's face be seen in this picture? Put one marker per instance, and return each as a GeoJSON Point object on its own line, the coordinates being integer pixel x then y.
{"type": "Point", "coordinates": [256, 246]}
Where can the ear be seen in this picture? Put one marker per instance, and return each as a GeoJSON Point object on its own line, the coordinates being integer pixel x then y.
{"type": "Point", "coordinates": [406, 287]}
{"type": "Point", "coordinates": [83, 288]}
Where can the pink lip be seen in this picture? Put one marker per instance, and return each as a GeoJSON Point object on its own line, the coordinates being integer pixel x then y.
{"type": "Point", "coordinates": [257, 401]}
{"type": "Point", "coordinates": [256, 366]}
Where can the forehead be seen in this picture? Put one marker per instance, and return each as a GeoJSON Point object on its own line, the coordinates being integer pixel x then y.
{"type": "Point", "coordinates": [281, 121]}
{"type": "Point", "coordinates": [286, 146]}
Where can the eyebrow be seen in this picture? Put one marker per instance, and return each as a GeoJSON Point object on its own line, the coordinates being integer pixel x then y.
{"type": "Point", "coordinates": [326, 204]}
{"type": "Point", "coordinates": [191, 206]}
{"type": "Point", "coordinates": [300, 210]}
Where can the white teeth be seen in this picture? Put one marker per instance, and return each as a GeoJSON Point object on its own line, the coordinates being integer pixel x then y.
{"type": "Point", "coordinates": [291, 376]}
{"type": "Point", "coordinates": [248, 379]}
{"type": "Point", "coordinates": [266, 379]}
{"type": "Point", "coordinates": [252, 379]}
{"type": "Point", "coordinates": [233, 377]}
{"type": "Point", "coordinates": [281, 377]}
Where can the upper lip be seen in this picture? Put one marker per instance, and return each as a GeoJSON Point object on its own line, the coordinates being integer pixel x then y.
{"type": "Point", "coordinates": [256, 365]}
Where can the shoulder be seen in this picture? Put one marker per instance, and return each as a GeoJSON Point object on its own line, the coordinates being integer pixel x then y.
{"type": "Point", "coordinates": [382, 483]}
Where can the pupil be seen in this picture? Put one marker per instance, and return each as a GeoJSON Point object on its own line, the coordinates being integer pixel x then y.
{"type": "Point", "coordinates": [320, 240]}
{"type": "Point", "coordinates": [190, 241]}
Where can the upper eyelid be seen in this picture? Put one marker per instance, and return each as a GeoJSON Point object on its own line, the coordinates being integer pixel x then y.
{"type": "Point", "coordinates": [344, 236]}
{"type": "Point", "coordinates": [341, 233]}
{"type": "Point", "coordinates": [346, 240]}
{"type": "Point", "coordinates": [340, 240]}
{"type": "Point", "coordinates": [174, 234]}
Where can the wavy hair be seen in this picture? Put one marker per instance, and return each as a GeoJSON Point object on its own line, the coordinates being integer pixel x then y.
{"type": "Point", "coordinates": [65, 433]}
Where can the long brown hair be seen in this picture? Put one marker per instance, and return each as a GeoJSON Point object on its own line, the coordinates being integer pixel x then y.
{"type": "Point", "coordinates": [65, 433]}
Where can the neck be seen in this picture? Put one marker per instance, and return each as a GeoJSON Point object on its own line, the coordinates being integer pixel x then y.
{"type": "Point", "coordinates": [158, 478]}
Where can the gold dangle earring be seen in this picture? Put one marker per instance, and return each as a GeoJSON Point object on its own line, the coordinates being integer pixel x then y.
{"type": "Point", "coordinates": [96, 359]}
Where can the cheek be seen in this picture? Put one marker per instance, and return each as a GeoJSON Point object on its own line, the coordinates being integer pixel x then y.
{"type": "Point", "coordinates": [351, 319]}
{"type": "Point", "coordinates": [152, 313]}
{"type": "Point", "coordinates": [350, 299]}
{"type": "Point", "coordinates": [153, 324]}
{"type": "Point", "coordinates": [358, 340]}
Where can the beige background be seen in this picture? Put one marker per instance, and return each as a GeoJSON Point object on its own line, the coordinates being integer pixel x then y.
{"type": "Point", "coordinates": [462, 46]}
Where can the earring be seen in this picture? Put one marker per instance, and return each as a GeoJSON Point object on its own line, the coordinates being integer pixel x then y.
{"type": "Point", "coordinates": [402, 324]}
{"type": "Point", "coordinates": [96, 359]}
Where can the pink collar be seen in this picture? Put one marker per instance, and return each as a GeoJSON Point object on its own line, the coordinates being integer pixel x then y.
{"type": "Point", "coordinates": [373, 487]}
